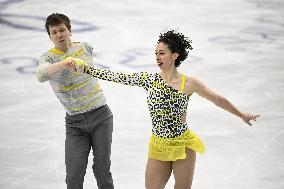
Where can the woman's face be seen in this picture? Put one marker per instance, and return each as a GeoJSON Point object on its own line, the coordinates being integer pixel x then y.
{"type": "Point", "coordinates": [164, 57]}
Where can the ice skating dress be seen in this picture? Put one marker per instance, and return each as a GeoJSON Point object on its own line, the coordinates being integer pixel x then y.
{"type": "Point", "coordinates": [170, 136]}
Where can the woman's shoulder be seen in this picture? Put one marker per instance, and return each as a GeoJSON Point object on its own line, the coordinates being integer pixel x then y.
{"type": "Point", "coordinates": [189, 78]}
{"type": "Point", "coordinates": [192, 83]}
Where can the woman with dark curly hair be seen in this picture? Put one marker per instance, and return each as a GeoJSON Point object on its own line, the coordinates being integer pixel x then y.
{"type": "Point", "coordinates": [172, 146]}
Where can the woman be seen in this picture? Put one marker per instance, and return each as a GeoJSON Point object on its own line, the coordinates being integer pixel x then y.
{"type": "Point", "coordinates": [172, 146]}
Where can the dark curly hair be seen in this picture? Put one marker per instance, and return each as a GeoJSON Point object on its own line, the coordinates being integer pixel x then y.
{"type": "Point", "coordinates": [177, 43]}
{"type": "Point", "coordinates": [55, 19]}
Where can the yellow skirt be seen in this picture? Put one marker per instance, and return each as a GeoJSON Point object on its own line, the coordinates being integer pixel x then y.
{"type": "Point", "coordinates": [172, 149]}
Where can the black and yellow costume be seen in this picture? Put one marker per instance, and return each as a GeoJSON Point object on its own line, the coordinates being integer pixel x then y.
{"type": "Point", "coordinates": [170, 136]}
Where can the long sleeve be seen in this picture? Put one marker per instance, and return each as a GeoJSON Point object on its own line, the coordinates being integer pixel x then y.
{"type": "Point", "coordinates": [42, 68]}
{"type": "Point", "coordinates": [136, 79]}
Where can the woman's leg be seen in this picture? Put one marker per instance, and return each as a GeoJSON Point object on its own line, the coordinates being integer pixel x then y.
{"type": "Point", "coordinates": [183, 170]}
{"type": "Point", "coordinates": [157, 173]}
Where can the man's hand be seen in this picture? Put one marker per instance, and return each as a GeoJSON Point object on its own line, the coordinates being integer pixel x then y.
{"type": "Point", "coordinates": [76, 65]}
{"type": "Point", "coordinates": [69, 63]}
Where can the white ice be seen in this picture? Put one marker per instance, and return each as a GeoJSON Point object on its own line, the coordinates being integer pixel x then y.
{"type": "Point", "coordinates": [238, 51]}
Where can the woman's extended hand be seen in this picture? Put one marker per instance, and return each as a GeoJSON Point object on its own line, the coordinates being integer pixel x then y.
{"type": "Point", "coordinates": [247, 117]}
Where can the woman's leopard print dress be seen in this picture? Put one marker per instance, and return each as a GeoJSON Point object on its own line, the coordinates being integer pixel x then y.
{"type": "Point", "coordinates": [170, 136]}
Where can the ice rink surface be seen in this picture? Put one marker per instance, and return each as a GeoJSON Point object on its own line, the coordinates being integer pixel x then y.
{"type": "Point", "coordinates": [238, 51]}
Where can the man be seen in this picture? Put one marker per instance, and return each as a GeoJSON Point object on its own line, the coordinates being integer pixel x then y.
{"type": "Point", "coordinates": [89, 121]}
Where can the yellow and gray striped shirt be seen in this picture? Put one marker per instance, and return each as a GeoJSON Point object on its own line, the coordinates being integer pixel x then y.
{"type": "Point", "coordinates": [77, 92]}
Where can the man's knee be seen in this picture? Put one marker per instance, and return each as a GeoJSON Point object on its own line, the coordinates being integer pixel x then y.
{"type": "Point", "coordinates": [101, 160]}
{"type": "Point", "coordinates": [101, 168]}
{"type": "Point", "coordinates": [76, 166]}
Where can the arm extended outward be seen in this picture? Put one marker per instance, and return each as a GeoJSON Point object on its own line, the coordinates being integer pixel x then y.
{"type": "Point", "coordinates": [221, 101]}
{"type": "Point", "coordinates": [134, 79]}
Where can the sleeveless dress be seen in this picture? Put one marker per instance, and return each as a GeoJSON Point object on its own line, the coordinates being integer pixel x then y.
{"type": "Point", "coordinates": [170, 136]}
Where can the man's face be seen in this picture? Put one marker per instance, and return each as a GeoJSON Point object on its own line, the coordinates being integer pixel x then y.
{"type": "Point", "coordinates": [60, 36]}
